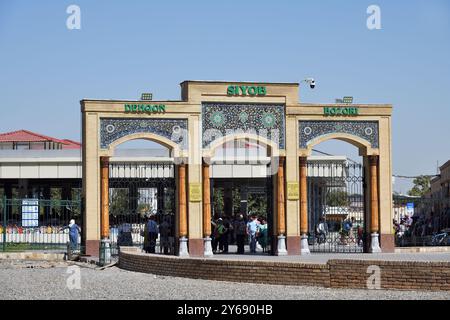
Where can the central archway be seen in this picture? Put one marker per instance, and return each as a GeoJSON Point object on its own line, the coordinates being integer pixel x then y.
{"type": "Point", "coordinates": [239, 178]}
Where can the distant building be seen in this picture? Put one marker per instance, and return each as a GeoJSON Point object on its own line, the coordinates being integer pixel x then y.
{"type": "Point", "coordinates": [33, 165]}
{"type": "Point", "coordinates": [27, 140]}
{"type": "Point", "coordinates": [440, 185]}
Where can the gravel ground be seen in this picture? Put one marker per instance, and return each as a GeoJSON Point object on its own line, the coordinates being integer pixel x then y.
{"type": "Point", "coordinates": [48, 280]}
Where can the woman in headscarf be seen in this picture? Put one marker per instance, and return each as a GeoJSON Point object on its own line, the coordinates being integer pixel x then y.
{"type": "Point", "coordinates": [74, 231]}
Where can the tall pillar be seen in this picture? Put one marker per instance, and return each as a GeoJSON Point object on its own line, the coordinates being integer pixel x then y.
{"type": "Point", "coordinates": [304, 247]}
{"type": "Point", "coordinates": [374, 205]}
{"type": "Point", "coordinates": [105, 249]}
{"type": "Point", "coordinates": [281, 212]}
{"type": "Point", "coordinates": [104, 178]}
{"type": "Point", "coordinates": [182, 210]}
{"type": "Point", "coordinates": [206, 210]}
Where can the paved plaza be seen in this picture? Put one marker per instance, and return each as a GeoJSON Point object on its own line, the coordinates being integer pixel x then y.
{"type": "Point", "coordinates": [49, 280]}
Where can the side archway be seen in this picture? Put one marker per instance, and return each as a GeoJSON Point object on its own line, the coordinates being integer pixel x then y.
{"type": "Point", "coordinates": [174, 148]}
{"type": "Point", "coordinates": [364, 146]}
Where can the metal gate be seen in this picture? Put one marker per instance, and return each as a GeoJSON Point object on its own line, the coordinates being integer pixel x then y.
{"type": "Point", "coordinates": [336, 207]}
{"type": "Point", "coordinates": [137, 191]}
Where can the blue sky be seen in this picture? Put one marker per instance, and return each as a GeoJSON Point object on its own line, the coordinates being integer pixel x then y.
{"type": "Point", "coordinates": [127, 47]}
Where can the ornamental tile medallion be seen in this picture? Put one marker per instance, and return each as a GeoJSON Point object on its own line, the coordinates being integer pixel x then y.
{"type": "Point", "coordinates": [266, 120]}
{"type": "Point", "coordinates": [310, 130]}
{"type": "Point", "coordinates": [112, 129]}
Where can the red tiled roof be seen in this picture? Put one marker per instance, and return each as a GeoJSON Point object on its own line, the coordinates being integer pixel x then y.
{"type": "Point", "coordinates": [70, 144]}
{"type": "Point", "coordinates": [28, 136]}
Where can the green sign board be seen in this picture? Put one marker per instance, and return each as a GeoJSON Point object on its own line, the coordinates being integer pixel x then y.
{"type": "Point", "coordinates": [145, 108]}
{"type": "Point", "coordinates": [246, 91]}
{"type": "Point", "coordinates": [340, 112]}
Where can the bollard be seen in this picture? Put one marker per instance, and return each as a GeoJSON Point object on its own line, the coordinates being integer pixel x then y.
{"type": "Point", "coordinates": [105, 252]}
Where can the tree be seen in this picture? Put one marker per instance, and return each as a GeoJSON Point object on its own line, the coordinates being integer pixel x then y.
{"type": "Point", "coordinates": [337, 198]}
{"type": "Point", "coordinates": [421, 186]}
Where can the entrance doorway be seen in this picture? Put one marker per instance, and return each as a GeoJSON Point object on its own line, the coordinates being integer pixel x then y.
{"type": "Point", "coordinates": [138, 191]}
{"type": "Point", "coordinates": [231, 197]}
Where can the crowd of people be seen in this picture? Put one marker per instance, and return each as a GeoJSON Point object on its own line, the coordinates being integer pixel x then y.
{"type": "Point", "coordinates": [239, 230]}
{"type": "Point", "coordinates": [155, 227]}
{"type": "Point", "coordinates": [421, 224]}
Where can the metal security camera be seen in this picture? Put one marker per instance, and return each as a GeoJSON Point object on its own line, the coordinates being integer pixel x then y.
{"type": "Point", "coordinates": [311, 82]}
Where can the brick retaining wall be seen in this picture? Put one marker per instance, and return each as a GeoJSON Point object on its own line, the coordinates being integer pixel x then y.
{"type": "Point", "coordinates": [335, 274]}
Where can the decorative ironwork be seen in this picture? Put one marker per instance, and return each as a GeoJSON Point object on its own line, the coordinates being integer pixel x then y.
{"type": "Point", "coordinates": [112, 129]}
{"type": "Point", "coordinates": [336, 211]}
{"type": "Point", "coordinates": [136, 191]}
{"type": "Point", "coordinates": [309, 130]}
{"type": "Point", "coordinates": [266, 120]}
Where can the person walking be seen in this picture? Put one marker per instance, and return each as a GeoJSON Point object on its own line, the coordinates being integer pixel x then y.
{"type": "Point", "coordinates": [225, 236]}
{"type": "Point", "coordinates": [241, 233]}
{"type": "Point", "coordinates": [164, 229]}
{"type": "Point", "coordinates": [152, 228]}
{"type": "Point", "coordinates": [252, 229]}
{"type": "Point", "coordinates": [219, 229]}
{"type": "Point", "coordinates": [322, 230]}
{"type": "Point", "coordinates": [124, 237]}
{"type": "Point", "coordinates": [263, 234]}
{"type": "Point", "coordinates": [74, 231]}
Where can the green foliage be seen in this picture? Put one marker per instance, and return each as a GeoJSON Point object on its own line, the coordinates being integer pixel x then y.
{"type": "Point", "coordinates": [337, 198]}
{"type": "Point", "coordinates": [218, 201]}
{"type": "Point", "coordinates": [422, 185]}
{"type": "Point", "coordinates": [118, 201]}
{"type": "Point", "coordinates": [257, 204]}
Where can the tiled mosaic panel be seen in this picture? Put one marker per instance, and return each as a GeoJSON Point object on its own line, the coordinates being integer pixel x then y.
{"type": "Point", "coordinates": [112, 129]}
{"type": "Point", "coordinates": [220, 119]}
{"type": "Point", "coordinates": [309, 130]}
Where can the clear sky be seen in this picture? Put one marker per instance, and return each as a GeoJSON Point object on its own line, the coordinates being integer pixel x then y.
{"type": "Point", "coordinates": [128, 47]}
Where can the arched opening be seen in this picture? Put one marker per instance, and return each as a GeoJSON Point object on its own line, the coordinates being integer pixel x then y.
{"type": "Point", "coordinates": [142, 188]}
{"type": "Point", "coordinates": [336, 196]}
{"type": "Point", "coordinates": [241, 171]}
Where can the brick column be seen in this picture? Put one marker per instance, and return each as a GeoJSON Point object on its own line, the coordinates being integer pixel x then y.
{"type": "Point", "coordinates": [206, 210]}
{"type": "Point", "coordinates": [374, 205]}
{"type": "Point", "coordinates": [304, 247]}
{"type": "Point", "coordinates": [281, 212]}
{"type": "Point", "coordinates": [182, 210]}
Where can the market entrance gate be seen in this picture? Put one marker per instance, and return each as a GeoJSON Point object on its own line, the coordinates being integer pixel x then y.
{"type": "Point", "coordinates": [136, 192]}
{"type": "Point", "coordinates": [336, 207]}
{"type": "Point", "coordinates": [232, 197]}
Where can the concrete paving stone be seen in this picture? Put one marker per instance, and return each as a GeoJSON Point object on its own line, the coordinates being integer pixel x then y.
{"type": "Point", "coordinates": [17, 281]}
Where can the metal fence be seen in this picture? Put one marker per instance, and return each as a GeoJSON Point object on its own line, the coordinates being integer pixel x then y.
{"type": "Point", "coordinates": [421, 221]}
{"type": "Point", "coordinates": [36, 224]}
